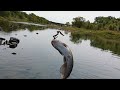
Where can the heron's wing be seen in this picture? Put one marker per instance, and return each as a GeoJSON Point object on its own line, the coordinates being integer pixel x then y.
{"type": "Point", "coordinates": [63, 68]}
{"type": "Point", "coordinates": [59, 51]}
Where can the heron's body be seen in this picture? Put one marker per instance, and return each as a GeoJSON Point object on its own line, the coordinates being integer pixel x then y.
{"type": "Point", "coordinates": [64, 50]}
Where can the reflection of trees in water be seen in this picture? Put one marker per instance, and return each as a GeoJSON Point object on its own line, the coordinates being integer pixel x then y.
{"type": "Point", "coordinates": [98, 42]}
{"type": "Point", "coordinates": [77, 38]}
{"type": "Point", "coordinates": [9, 26]}
{"type": "Point", "coordinates": [33, 27]}
{"type": "Point", "coordinates": [104, 44]}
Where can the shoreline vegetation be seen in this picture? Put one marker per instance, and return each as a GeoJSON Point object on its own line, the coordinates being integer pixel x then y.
{"type": "Point", "coordinates": [106, 34]}
{"type": "Point", "coordinates": [103, 27]}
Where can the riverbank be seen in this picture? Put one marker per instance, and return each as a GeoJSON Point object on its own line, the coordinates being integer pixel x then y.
{"type": "Point", "coordinates": [106, 34]}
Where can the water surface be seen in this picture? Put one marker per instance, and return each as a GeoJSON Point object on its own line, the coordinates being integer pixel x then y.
{"type": "Point", "coordinates": [36, 58]}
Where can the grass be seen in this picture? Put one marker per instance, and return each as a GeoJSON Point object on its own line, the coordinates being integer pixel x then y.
{"type": "Point", "coordinates": [106, 34]}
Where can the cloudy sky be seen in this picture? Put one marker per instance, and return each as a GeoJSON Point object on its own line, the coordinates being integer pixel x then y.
{"type": "Point", "coordinates": [67, 16]}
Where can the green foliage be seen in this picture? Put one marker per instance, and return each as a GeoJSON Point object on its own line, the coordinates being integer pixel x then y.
{"type": "Point", "coordinates": [105, 40]}
{"type": "Point", "coordinates": [100, 23]}
{"type": "Point", "coordinates": [22, 16]}
{"type": "Point", "coordinates": [78, 22]}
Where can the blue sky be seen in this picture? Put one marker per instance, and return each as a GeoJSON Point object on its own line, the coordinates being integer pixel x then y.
{"type": "Point", "coordinates": [67, 16]}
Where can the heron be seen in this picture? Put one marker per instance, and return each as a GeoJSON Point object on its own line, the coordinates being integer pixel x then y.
{"type": "Point", "coordinates": [65, 51]}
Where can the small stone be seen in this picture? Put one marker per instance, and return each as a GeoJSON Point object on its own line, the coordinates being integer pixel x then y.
{"type": "Point", "coordinates": [25, 35]}
{"type": "Point", "coordinates": [14, 53]}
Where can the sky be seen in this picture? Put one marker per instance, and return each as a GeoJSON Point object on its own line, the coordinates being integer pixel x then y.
{"type": "Point", "coordinates": [67, 16]}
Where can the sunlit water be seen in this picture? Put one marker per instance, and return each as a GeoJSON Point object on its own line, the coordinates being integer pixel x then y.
{"type": "Point", "coordinates": [37, 59]}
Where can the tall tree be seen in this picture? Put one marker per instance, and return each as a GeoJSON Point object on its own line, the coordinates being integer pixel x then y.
{"type": "Point", "coordinates": [78, 22]}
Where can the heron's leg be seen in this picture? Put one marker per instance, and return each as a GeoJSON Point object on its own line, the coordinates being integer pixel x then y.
{"type": "Point", "coordinates": [55, 36]}
{"type": "Point", "coordinates": [61, 33]}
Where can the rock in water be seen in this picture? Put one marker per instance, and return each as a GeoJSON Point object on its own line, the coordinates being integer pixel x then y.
{"type": "Point", "coordinates": [1, 41]}
{"type": "Point", "coordinates": [2, 38]}
{"type": "Point", "coordinates": [25, 35]}
{"type": "Point", "coordinates": [14, 53]}
{"type": "Point", "coordinates": [12, 45]}
{"type": "Point", "coordinates": [13, 39]}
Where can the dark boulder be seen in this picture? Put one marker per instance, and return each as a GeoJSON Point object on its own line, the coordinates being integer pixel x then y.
{"type": "Point", "coordinates": [12, 45]}
{"type": "Point", "coordinates": [2, 38]}
{"type": "Point", "coordinates": [14, 53]}
{"type": "Point", "coordinates": [13, 39]}
{"type": "Point", "coordinates": [1, 41]}
{"type": "Point", "coordinates": [13, 42]}
{"type": "Point", "coordinates": [7, 42]}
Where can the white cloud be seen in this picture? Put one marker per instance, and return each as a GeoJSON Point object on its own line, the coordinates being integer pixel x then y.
{"type": "Point", "coordinates": [67, 16]}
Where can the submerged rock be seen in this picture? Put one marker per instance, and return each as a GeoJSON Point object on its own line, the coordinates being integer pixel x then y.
{"type": "Point", "coordinates": [13, 53]}
{"type": "Point", "coordinates": [12, 45]}
{"type": "Point", "coordinates": [13, 42]}
{"type": "Point", "coordinates": [7, 42]}
{"type": "Point", "coordinates": [25, 35]}
{"type": "Point", "coordinates": [2, 38]}
{"type": "Point", "coordinates": [1, 41]}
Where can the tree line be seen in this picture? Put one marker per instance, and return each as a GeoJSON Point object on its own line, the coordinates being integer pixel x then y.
{"type": "Point", "coordinates": [22, 16]}
{"type": "Point", "coordinates": [100, 23]}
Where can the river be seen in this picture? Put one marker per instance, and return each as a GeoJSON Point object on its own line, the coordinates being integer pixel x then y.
{"type": "Point", "coordinates": [36, 58]}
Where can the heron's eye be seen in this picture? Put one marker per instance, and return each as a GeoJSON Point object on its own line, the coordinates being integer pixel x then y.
{"type": "Point", "coordinates": [64, 44]}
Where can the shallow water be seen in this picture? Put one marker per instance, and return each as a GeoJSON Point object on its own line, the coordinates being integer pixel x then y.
{"type": "Point", "coordinates": [37, 59]}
